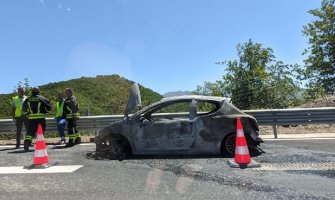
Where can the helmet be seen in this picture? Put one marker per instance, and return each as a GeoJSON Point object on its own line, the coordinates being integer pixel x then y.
{"type": "Point", "coordinates": [35, 90]}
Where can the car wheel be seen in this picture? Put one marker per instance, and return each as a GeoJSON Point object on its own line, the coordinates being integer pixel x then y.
{"type": "Point", "coordinates": [116, 151]}
{"type": "Point", "coordinates": [228, 145]}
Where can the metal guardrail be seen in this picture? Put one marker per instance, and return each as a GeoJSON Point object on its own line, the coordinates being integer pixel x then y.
{"type": "Point", "coordinates": [86, 123]}
{"type": "Point", "coordinates": [274, 117]}
{"type": "Point", "coordinates": [294, 116]}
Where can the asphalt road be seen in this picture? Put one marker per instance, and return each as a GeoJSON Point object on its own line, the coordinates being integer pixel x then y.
{"type": "Point", "coordinates": [324, 144]}
{"type": "Point", "coordinates": [303, 169]}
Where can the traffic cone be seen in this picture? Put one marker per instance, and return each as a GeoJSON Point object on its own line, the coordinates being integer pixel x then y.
{"type": "Point", "coordinates": [242, 157]}
{"type": "Point", "coordinates": [41, 155]}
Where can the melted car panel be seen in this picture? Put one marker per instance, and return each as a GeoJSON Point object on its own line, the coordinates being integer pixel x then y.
{"type": "Point", "coordinates": [186, 124]}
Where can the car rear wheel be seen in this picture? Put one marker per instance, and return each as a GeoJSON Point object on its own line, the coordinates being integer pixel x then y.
{"type": "Point", "coordinates": [228, 145]}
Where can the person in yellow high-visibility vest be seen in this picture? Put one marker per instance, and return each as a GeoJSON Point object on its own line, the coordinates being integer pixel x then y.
{"type": "Point", "coordinates": [35, 107]}
{"type": "Point", "coordinates": [61, 119]}
{"type": "Point", "coordinates": [18, 118]}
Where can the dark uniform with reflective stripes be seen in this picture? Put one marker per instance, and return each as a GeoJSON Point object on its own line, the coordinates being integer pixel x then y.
{"type": "Point", "coordinates": [35, 107]}
{"type": "Point", "coordinates": [71, 110]}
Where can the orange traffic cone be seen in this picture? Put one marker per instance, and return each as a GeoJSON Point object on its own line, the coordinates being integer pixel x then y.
{"type": "Point", "coordinates": [41, 155]}
{"type": "Point", "coordinates": [242, 156]}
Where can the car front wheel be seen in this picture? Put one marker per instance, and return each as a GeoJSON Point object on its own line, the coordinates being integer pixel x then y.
{"type": "Point", "coordinates": [112, 149]}
{"type": "Point", "coordinates": [116, 150]}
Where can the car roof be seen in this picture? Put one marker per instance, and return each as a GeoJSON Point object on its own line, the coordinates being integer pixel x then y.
{"type": "Point", "coordinates": [195, 97]}
{"type": "Point", "coordinates": [186, 98]}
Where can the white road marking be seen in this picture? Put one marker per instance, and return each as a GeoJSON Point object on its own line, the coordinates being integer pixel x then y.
{"type": "Point", "coordinates": [297, 166]}
{"type": "Point", "coordinates": [300, 136]}
{"type": "Point", "coordinates": [7, 146]}
{"type": "Point", "coordinates": [50, 170]}
{"type": "Point", "coordinates": [296, 139]}
{"type": "Point", "coordinates": [87, 144]}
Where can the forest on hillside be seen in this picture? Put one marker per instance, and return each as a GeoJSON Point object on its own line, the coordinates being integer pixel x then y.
{"type": "Point", "coordinates": [100, 95]}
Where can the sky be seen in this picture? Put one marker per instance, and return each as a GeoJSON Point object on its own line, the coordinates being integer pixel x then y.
{"type": "Point", "coordinates": [165, 45]}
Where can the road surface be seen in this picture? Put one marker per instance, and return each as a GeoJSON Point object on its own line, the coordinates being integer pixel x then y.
{"type": "Point", "coordinates": [290, 169]}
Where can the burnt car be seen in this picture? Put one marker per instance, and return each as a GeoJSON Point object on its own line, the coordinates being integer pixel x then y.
{"type": "Point", "coordinates": [189, 124]}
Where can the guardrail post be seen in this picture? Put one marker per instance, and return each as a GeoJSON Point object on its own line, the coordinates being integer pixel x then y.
{"type": "Point", "coordinates": [274, 127]}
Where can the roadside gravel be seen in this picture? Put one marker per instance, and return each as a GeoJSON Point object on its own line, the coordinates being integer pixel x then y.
{"type": "Point", "coordinates": [300, 129]}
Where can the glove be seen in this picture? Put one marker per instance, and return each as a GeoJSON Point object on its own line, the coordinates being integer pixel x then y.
{"type": "Point", "coordinates": [61, 122]}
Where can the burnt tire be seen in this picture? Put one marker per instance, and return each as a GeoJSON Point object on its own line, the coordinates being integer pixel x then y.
{"type": "Point", "coordinates": [116, 151]}
{"type": "Point", "coordinates": [113, 149]}
{"type": "Point", "coordinates": [228, 145]}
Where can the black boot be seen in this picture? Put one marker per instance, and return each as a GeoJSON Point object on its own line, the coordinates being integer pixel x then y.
{"type": "Point", "coordinates": [18, 141]}
{"type": "Point", "coordinates": [26, 144]}
{"type": "Point", "coordinates": [70, 144]}
{"type": "Point", "coordinates": [78, 140]}
{"type": "Point", "coordinates": [17, 145]}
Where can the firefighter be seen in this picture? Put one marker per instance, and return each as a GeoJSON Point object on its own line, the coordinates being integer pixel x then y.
{"type": "Point", "coordinates": [71, 110]}
{"type": "Point", "coordinates": [35, 107]}
{"type": "Point", "coordinates": [61, 120]}
{"type": "Point", "coordinates": [18, 118]}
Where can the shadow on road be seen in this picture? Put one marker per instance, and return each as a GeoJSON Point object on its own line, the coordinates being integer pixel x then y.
{"type": "Point", "coordinates": [20, 151]}
{"type": "Point", "coordinates": [93, 155]}
{"type": "Point", "coordinates": [105, 155]}
{"type": "Point", "coordinates": [144, 157]}
{"type": "Point", "coordinates": [8, 149]}
{"type": "Point", "coordinates": [59, 147]}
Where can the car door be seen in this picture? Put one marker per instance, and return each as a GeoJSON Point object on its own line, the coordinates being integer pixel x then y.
{"type": "Point", "coordinates": [174, 134]}
{"type": "Point", "coordinates": [163, 134]}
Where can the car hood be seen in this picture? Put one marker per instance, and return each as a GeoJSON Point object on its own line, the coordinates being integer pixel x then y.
{"type": "Point", "coordinates": [112, 129]}
{"type": "Point", "coordinates": [134, 99]}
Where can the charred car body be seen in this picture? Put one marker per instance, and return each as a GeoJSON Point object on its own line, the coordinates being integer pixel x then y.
{"type": "Point", "coordinates": [206, 125]}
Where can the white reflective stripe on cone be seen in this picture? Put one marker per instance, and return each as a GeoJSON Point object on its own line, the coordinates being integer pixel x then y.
{"type": "Point", "coordinates": [41, 153]}
{"type": "Point", "coordinates": [242, 150]}
{"type": "Point", "coordinates": [239, 133]}
{"type": "Point", "coordinates": [39, 138]}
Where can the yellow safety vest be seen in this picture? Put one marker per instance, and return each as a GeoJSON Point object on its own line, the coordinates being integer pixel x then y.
{"type": "Point", "coordinates": [59, 109]}
{"type": "Point", "coordinates": [18, 105]}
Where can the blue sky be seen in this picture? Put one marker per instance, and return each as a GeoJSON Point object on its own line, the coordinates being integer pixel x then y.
{"type": "Point", "coordinates": [166, 45]}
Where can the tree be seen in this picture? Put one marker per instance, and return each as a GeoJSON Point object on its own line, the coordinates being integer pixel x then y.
{"type": "Point", "coordinates": [255, 80]}
{"type": "Point", "coordinates": [283, 85]}
{"type": "Point", "coordinates": [210, 89]}
{"type": "Point", "coordinates": [27, 87]}
{"type": "Point", "coordinates": [320, 62]}
{"type": "Point", "coordinates": [245, 78]}
{"type": "Point", "coordinates": [19, 84]}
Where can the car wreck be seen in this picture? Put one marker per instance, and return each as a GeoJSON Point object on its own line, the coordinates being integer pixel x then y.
{"type": "Point", "coordinates": [183, 125]}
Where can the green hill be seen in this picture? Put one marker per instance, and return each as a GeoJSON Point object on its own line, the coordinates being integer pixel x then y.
{"type": "Point", "coordinates": [102, 95]}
